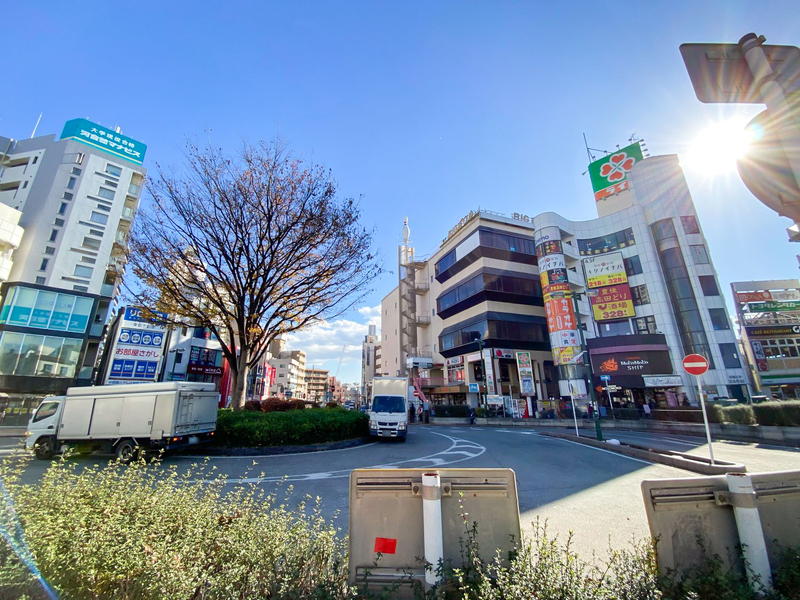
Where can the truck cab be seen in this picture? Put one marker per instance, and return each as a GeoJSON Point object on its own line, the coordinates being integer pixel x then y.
{"type": "Point", "coordinates": [43, 425]}
{"type": "Point", "coordinates": [388, 412]}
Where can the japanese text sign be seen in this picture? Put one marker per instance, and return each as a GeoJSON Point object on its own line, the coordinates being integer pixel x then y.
{"type": "Point", "coordinates": [107, 140]}
{"type": "Point", "coordinates": [604, 270]}
{"type": "Point", "coordinates": [612, 302]}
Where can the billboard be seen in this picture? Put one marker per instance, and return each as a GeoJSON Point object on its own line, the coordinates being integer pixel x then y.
{"type": "Point", "coordinates": [525, 371]}
{"type": "Point", "coordinates": [137, 349]}
{"type": "Point", "coordinates": [604, 270]}
{"type": "Point", "coordinates": [771, 306]}
{"type": "Point", "coordinates": [773, 330]}
{"type": "Point", "coordinates": [612, 302]}
{"type": "Point", "coordinates": [609, 175]}
{"type": "Point", "coordinates": [105, 139]}
{"type": "Point", "coordinates": [645, 362]}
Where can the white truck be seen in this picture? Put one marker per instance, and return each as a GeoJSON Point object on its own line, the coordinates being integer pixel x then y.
{"type": "Point", "coordinates": [126, 419]}
{"type": "Point", "coordinates": [388, 410]}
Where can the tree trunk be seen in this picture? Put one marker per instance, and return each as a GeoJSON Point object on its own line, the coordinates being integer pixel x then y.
{"type": "Point", "coordinates": [240, 382]}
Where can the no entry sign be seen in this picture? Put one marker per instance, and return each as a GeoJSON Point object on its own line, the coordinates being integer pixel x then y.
{"type": "Point", "coordinates": [695, 364]}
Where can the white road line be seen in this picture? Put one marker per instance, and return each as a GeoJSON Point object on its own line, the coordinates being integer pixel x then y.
{"type": "Point", "coordinates": [647, 462]}
{"type": "Point", "coordinates": [192, 456]}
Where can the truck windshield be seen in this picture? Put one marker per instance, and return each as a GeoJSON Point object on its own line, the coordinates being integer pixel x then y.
{"type": "Point", "coordinates": [388, 404]}
{"type": "Point", "coordinates": [46, 409]}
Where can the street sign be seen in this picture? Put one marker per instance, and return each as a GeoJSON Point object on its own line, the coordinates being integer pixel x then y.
{"type": "Point", "coordinates": [719, 72]}
{"type": "Point", "coordinates": [695, 364]}
{"type": "Point", "coordinates": [605, 377]}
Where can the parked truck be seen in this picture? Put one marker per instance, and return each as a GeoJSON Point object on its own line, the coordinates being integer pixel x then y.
{"type": "Point", "coordinates": [388, 410]}
{"type": "Point", "coordinates": [127, 419]}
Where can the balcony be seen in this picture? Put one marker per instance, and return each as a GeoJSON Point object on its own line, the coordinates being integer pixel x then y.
{"type": "Point", "coordinates": [127, 213]}
{"type": "Point", "coordinates": [421, 287]}
{"type": "Point", "coordinates": [422, 320]}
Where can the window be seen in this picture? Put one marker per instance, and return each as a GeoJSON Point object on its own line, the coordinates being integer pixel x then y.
{"type": "Point", "coordinates": [99, 218]}
{"type": "Point", "coordinates": [106, 193]}
{"type": "Point", "coordinates": [109, 183]}
{"type": "Point", "coordinates": [43, 266]}
{"type": "Point", "coordinates": [91, 243]}
{"type": "Point", "coordinates": [53, 235]}
{"type": "Point", "coordinates": [71, 183]}
{"type": "Point", "coordinates": [640, 295]}
{"type": "Point", "coordinates": [447, 261]}
{"type": "Point", "coordinates": [505, 241]}
{"type": "Point", "coordinates": [47, 409]}
{"type": "Point", "coordinates": [633, 265]}
{"type": "Point", "coordinates": [49, 250]}
{"type": "Point", "coordinates": [612, 328]}
{"type": "Point", "coordinates": [606, 243]}
{"type": "Point", "coordinates": [67, 196]}
{"type": "Point", "coordinates": [35, 159]}
{"type": "Point", "coordinates": [645, 324]}
{"type": "Point", "coordinates": [699, 254]}
{"type": "Point", "coordinates": [80, 288]}
{"type": "Point", "coordinates": [719, 319]}
{"type": "Point", "coordinates": [113, 170]}
{"type": "Point", "coordinates": [59, 222]}
{"type": "Point", "coordinates": [79, 158]}
{"type": "Point", "coordinates": [690, 224]}
{"type": "Point", "coordinates": [663, 230]}
{"type": "Point", "coordinates": [86, 259]}
{"type": "Point", "coordinates": [104, 207]}
{"type": "Point", "coordinates": [83, 271]}
{"type": "Point", "coordinates": [179, 357]}
{"type": "Point", "coordinates": [730, 357]}
{"type": "Point", "coordinates": [40, 280]}
{"type": "Point", "coordinates": [709, 285]}
{"type": "Point", "coordinates": [63, 208]}
{"type": "Point", "coordinates": [96, 232]}
{"type": "Point", "coordinates": [76, 171]}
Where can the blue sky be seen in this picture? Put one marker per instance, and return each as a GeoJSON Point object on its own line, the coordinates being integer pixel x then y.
{"type": "Point", "coordinates": [425, 109]}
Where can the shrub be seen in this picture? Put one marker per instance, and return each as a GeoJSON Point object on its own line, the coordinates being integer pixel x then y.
{"type": "Point", "coordinates": [312, 426]}
{"type": "Point", "coordinates": [741, 414]}
{"type": "Point", "coordinates": [785, 414]}
{"type": "Point", "coordinates": [274, 405]}
{"type": "Point", "coordinates": [687, 415]}
{"type": "Point", "coordinates": [151, 532]}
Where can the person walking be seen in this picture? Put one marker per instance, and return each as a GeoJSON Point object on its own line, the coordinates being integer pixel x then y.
{"type": "Point", "coordinates": [426, 410]}
{"type": "Point", "coordinates": [411, 414]}
{"type": "Point", "coordinates": [471, 415]}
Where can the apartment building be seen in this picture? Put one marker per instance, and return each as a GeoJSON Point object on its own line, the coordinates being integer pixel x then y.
{"type": "Point", "coordinates": [290, 372]}
{"type": "Point", "coordinates": [316, 385]}
{"type": "Point", "coordinates": [370, 361]}
{"type": "Point", "coordinates": [77, 196]}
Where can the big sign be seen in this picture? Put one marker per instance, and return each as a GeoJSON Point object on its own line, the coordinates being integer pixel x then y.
{"type": "Point", "coordinates": [609, 175]}
{"type": "Point", "coordinates": [604, 270]}
{"type": "Point", "coordinates": [612, 302]}
{"type": "Point", "coordinates": [105, 139]}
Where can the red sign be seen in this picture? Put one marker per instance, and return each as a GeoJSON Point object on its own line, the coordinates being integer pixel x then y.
{"type": "Point", "coordinates": [385, 545]}
{"type": "Point", "coordinates": [753, 296]}
{"type": "Point", "coordinates": [560, 314]}
{"type": "Point", "coordinates": [695, 364]}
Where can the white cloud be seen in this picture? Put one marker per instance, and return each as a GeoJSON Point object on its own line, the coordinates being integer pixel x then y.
{"type": "Point", "coordinates": [328, 342]}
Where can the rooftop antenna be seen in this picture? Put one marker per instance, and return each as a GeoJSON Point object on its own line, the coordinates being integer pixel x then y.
{"type": "Point", "coordinates": [35, 127]}
{"type": "Point", "coordinates": [588, 150]}
{"type": "Point", "coordinates": [406, 231]}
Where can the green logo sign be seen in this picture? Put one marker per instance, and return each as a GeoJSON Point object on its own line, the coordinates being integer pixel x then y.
{"type": "Point", "coordinates": [774, 306]}
{"type": "Point", "coordinates": [609, 175]}
{"type": "Point", "coordinates": [107, 140]}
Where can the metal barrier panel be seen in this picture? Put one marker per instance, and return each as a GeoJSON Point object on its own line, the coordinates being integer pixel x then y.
{"type": "Point", "coordinates": [386, 517]}
{"type": "Point", "coordinates": [692, 519]}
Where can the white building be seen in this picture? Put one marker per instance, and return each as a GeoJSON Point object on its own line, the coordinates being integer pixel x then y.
{"type": "Point", "coordinates": [370, 361]}
{"type": "Point", "coordinates": [77, 196]}
{"type": "Point", "coordinates": [290, 371]}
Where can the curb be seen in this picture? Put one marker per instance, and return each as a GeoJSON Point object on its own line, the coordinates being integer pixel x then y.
{"type": "Point", "coordinates": [272, 450]}
{"type": "Point", "coordinates": [687, 462]}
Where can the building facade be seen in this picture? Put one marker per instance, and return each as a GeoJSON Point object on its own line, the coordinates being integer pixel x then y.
{"type": "Point", "coordinates": [523, 311]}
{"type": "Point", "coordinates": [370, 357]}
{"type": "Point", "coordinates": [290, 374]}
{"type": "Point", "coordinates": [316, 385]}
{"type": "Point", "coordinates": [77, 196]}
{"type": "Point", "coordinates": [768, 314]}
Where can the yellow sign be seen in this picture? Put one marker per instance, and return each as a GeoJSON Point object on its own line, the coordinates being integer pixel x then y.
{"type": "Point", "coordinates": [565, 354]}
{"type": "Point", "coordinates": [619, 309]}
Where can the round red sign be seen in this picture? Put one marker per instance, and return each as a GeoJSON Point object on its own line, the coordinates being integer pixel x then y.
{"type": "Point", "coordinates": [695, 364]}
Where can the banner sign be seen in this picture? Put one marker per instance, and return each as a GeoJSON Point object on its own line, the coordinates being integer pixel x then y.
{"type": "Point", "coordinates": [565, 354]}
{"type": "Point", "coordinates": [612, 302]}
{"type": "Point", "coordinates": [605, 270]}
{"type": "Point", "coordinates": [647, 362]}
{"type": "Point", "coordinates": [609, 175]}
{"type": "Point", "coordinates": [553, 261]}
{"type": "Point", "coordinates": [137, 349]}
{"type": "Point", "coordinates": [456, 360]}
{"type": "Point", "coordinates": [773, 330]}
{"type": "Point", "coordinates": [774, 306]}
{"type": "Point", "coordinates": [763, 296]}
{"type": "Point", "coordinates": [662, 380]}
{"type": "Point", "coordinates": [525, 372]}
{"type": "Point", "coordinates": [758, 354]}
{"type": "Point", "coordinates": [488, 370]}
{"type": "Point", "coordinates": [107, 140]}
{"type": "Point", "coordinates": [560, 314]}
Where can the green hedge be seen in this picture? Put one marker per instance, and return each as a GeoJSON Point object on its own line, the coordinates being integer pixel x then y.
{"type": "Point", "coordinates": [295, 427]}
{"type": "Point", "coordinates": [786, 414]}
{"type": "Point", "coordinates": [741, 414]}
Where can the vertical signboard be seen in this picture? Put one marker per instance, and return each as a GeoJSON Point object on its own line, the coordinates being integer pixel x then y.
{"type": "Point", "coordinates": [525, 372]}
{"type": "Point", "coordinates": [488, 371]}
{"type": "Point", "coordinates": [609, 174]}
{"type": "Point", "coordinates": [138, 348]}
{"type": "Point", "coordinates": [562, 323]}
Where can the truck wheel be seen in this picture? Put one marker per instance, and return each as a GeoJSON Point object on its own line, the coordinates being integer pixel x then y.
{"type": "Point", "coordinates": [44, 448]}
{"type": "Point", "coordinates": [127, 451]}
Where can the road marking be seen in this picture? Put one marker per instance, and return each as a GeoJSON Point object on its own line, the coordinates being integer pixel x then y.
{"type": "Point", "coordinates": [647, 462]}
{"type": "Point", "coordinates": [196, 457]}
{"type": "Point", "coordinates": [459, 450]}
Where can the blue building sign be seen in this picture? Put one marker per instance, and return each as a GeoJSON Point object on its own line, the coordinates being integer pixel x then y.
{"type": "Point", "coordinates": [105, 139]}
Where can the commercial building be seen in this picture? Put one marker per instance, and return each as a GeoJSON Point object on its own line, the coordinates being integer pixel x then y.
{"type": "Point", "coordinates": [370, 361]}
{"type": "Point", "coordinates": [77, 196]}
{"type": "Point", "coordinates": [768, 313]}
{"type": "Point", "coordinates": [316, 385]}
{"type": "Point", "coordinates": [527, 310]}
{"type": "Point", "coordinates": [290, 371]}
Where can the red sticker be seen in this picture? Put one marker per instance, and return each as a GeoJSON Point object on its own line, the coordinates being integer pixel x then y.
{"type": "Point", "coordinates": [385, 545]}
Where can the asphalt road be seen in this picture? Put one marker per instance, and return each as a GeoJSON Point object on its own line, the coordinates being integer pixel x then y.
{"type": "Point", "coordinates": [590, 492]}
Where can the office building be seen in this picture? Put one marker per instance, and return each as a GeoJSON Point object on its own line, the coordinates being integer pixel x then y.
{"type": "Point", "coordinates": [370, 361]}
{"type": "Point", "coordinates": [525, 310]}
{"type": "Point", "coordinates": [768, 313]}
{"type": "Point", "coordinates": [77, 196]}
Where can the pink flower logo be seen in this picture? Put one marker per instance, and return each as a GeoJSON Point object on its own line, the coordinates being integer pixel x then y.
{"type": "Point", "coordinates": [617, 167]}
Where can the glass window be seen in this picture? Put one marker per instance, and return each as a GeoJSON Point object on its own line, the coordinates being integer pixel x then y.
{"type": "Point", "coordinates": [68, 359]}
{"type": "Point", "coordinates": [606, 243]}
{"type": "Point", "coordinates": [611, 328]}
{"type": "Point", "coordinates": [53, 235]}
{"type": "Point", "coordinates": [505, 241]}
{"type": "Point", "coordinates": [644, 325]}
{"type": "Point", "coordinates": [62, 311]}
{"type": "Point", "coordinates": [59, 222]}
{"type": "Point", "coordinates": [719, 318]}
{"type": "Point", "coordinates": [83, 271]}
{"type": "Point", "coordinates": [29, 355]}
{"type": "Point", "coordinates": [690, 224]}
{"type": "Point", "coordinates": [730, 356]}
{"type": "Point", "coordinates": [640, 295]}
{"type": "Point", "coordinates": [91, 243]}
{"type": "Point", "coordinates": [43, 266]}
{"type": "Point", "coordinates": [633, 265]}
{"type": "Point", "coordinates": [45, 410]}
{"type": "Point", "coordinates": [98, 218]}
{"type": "Point", "coordinates": [20, 305]}
{"type": "Point", "coordinates": [104, 207]}
{"type": "Point", "coordinates": [709, 285]}
{"type": "Point", "coordinates": [663, 229]}
{"type": "Point", "coordinates": [48, 358]}
{"type": "Point", "coordinates": [76, 171]}
{"type": "Point", "coordinates": [80, 314]}
{"type": "Point", "coordinates": [448, 260]}
{"type": "Point", "coordinates": [9, 351]}
{"type": "Point", "coordinates": [45, 301]}
{"type": "Point", "coordinates": [67, 196]}
{"type": "Point", "coordinates": [63, 208]}
{"type": "Point", "coordinates": [71, 183]}
{"type": "Point", "coordinates": [113, 170]}
{"type": "Point", "coordinates": [106, 193]}
{"type": "Point", "coordinates": [699, 254]}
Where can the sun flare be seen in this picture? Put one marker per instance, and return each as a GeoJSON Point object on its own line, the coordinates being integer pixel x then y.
{"type": "Point", "coordinates": [717, 148]}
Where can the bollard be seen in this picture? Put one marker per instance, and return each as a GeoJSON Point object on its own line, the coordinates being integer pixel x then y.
{"type": "Point", "coordinates": [598, 430]}
{"type": "Point", "coordinates": [432, 525]}
{"type": "Point", "coordinates": [751, 535]}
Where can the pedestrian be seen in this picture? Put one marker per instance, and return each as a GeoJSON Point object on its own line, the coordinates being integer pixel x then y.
{"type": "Point", "coordinates": [426, 410]}
{"type": "Point", "coordinates": [646, 409]}
{"type": "Point", "coordinates": [471, 416]}
{"type": "Point", "coordinates": [419, 413]}
{"type": "Point", "coordinates": [411, 414]}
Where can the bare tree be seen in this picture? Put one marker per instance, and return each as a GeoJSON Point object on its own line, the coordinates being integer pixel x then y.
{"type": "Point", "coordinates": [252, 247]}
